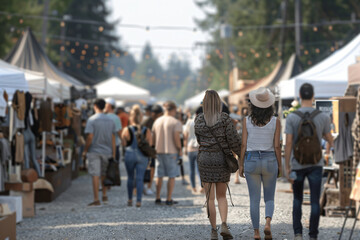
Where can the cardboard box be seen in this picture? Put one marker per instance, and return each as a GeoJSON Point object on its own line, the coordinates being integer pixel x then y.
{"type": "Point", "coordinates": [28, 202]}
{"type": "Point", "coordinates": [8, 227]}
{"type": "Point", "coordinates": [15, 204]}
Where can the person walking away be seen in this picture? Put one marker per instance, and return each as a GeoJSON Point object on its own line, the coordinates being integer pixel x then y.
{"type": "Point", "coordinates": [109, 110]}
{"type": "Point", "coordinates": [135, 160]}
{"type": "Point", "coordinates": [156, 112]}
{"type": "Point", "coordinates": [99, 148]}
{"type": "Point", "coordinates": [191, 149]}
{"type": "Point", "coordinates": [124, 117]}
{"type": "Point", "coordinates": [166, 136]}
{"type": "Point", "coordinates": [260, 157]}
{"type": "Point", "coordinates": [311, 166]}
{"type": "Point", "coordinates": [214, 128]}
{"type": "Point", "coordinates": [179, 116]}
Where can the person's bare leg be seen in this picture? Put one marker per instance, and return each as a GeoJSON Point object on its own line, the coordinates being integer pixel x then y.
{"type": "Point", "coordinates": [222, 201]}
{"type": "Point", "coordinates": [237, 178]}
{"type": "Point", "coordinates": [211, 202]}
{"type": "Point", "coordinates": [95, 183]}
{"type": "Point", "coordinates": [152, 173]}
{"type": "Point", "coordinates": [104, 188]}
{"type": "Point", "coordinates": [159, 182]}
{"type": "Point", "coordinates": [170, 188]}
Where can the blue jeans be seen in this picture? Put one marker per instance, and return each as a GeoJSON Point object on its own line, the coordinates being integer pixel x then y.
{"type": "Point", "coordinates": [193, 167]}
{"type": "Point", "coordinates": [261, 167]}
{"type": "Point", "coordinates": [134, 161]}
{"type": "Point", "coordinates": [314, 176]}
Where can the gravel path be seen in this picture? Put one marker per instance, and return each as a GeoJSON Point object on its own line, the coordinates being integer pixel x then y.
{"type": "Point", "coordinates": [68, 217]}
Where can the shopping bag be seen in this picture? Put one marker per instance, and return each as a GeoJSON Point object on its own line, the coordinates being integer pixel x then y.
{"type": "Point", "coordinates": [112, 174]}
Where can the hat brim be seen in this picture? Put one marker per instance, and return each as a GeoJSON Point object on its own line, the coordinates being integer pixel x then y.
{"type": "Point", "coordinates": [260, 104]}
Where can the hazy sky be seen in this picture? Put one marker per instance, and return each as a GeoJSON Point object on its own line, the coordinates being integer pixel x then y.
{"type": "Point", "coordinates": [160, 13]}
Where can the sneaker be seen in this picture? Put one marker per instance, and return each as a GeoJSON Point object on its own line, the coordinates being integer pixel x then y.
{"type": "Point", "coordinates": [298, 237]}
{"type": "Point", "coordinates": [171, 202]}
{"type": "Point", "coordinates": [225, 232]}
{"type": "Point", "coordinates": [95, 203]}
{"type": "Point", "coordinates": [148, 191]}
{"type": "Point", "coordinates": [158, 201]}
{"type": "Point", "coordinates": [214, 234]}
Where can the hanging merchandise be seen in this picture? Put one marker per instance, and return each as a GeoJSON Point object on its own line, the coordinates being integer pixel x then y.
{"type": "Point", "coordinates": [62, 116]}
{"type": "Point", "coordinates": [3, 103]}
{"type": "Point", "coordinates": [344, 142]}
{"type": "Point", "coordinates": [18, 104]}
{"type": "Point", "coordinates": [45, 116]}
{"type": "Point", "coordinates": [356, 134]}
{"type": "Point", "coordinates": [19, 147]}
{"type": "Point", "coordinates": [76, 121]}
{"type": "Point", "coordinates": [5, 156]}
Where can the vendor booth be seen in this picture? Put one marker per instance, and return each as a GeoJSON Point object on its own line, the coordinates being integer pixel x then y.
{"type": "Point", "coordinates": [329, 77]}
{"type": "Point", "coordinates": [121, 90]}
{"type": "Point", "coordinates": [42, 128]}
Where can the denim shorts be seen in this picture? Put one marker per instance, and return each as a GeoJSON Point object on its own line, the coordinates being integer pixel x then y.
{"type": "Point", "coordinates": [167, 165]}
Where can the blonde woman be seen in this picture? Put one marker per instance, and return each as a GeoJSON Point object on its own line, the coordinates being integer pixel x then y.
{"type": "Point", "coordinates": [134, 158]}
{"type": "Point", "coordinates": [213, 127]}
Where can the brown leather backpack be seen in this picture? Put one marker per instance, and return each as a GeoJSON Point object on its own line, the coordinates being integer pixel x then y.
{"type": "Point", "coordinates": [307, 148]}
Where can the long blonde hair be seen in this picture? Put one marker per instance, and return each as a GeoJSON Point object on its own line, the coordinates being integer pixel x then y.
{"type": "Point", "coordinates": [211, 107]}
{"type": "Point", "coordinates": [136, 115]}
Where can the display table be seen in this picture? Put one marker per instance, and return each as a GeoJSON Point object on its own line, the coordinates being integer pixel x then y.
{"type": "Point", "coordinates": [60, 180]}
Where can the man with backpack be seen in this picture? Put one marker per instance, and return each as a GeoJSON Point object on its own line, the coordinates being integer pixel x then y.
{"type": "Point", "coordinates": [304, 130]}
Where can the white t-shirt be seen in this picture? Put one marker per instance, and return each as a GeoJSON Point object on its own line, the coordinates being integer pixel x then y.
{"type": "Point", "coordinates": [192, 143]}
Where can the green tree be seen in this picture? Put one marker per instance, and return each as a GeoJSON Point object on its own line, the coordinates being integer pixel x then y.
{"type": "Point", "coordinates": [94, 44]}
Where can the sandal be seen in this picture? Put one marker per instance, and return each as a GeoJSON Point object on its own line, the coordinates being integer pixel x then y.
{"type": "Point", "coordinates": [95, 203]}
{"type": "Point", "coordinates": [268, 235]}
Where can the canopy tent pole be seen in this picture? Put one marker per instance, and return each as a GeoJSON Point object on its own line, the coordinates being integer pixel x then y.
{"type": "Point", "coordinates": [11, 126]}
{"type": "Point", "coordinates": [43, 150]}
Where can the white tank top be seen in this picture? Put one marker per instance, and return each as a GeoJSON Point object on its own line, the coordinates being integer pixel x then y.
{"type": "Point", "coordinates": [260, 138]}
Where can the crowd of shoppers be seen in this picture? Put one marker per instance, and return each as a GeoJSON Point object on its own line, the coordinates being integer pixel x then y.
{"type": "Point", "coordinates": [212, 138]}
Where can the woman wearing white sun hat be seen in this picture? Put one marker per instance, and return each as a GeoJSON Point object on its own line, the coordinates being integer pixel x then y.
{"type": "Point", "coordinates": [261, 156]}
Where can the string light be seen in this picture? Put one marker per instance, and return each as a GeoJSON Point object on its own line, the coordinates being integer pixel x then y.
{"type": "Point", "coordinates": [306, 52]}
{"type": "Point", "coordinates": [21, 21]}
{"type": "Point", "coordinates": [330, 28]}
{"type": "Point", "coordinates": [62, 24]}
{"type": "Point", "coordinates": [240, 34]}
{"type": "Point", "coordinates": [101, 29]}
{"type": "Point", "coordinates": [315, 29]}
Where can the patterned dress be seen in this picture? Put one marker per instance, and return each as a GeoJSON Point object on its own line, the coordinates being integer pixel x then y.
{"type": "Point", "coordinates": [211, 160]}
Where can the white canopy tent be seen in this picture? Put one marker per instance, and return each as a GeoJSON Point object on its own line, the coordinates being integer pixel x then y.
{"type": "Point", "coordinates": [120, 90]}
{"type": "Point", "coordinates": [329, 77]}
{"type": "Point", "coordinates": [11, 80]}
{"type": "Point", "coordinates": [197, 99]}
{"type": "Point", "coordinates": [39, 84]}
